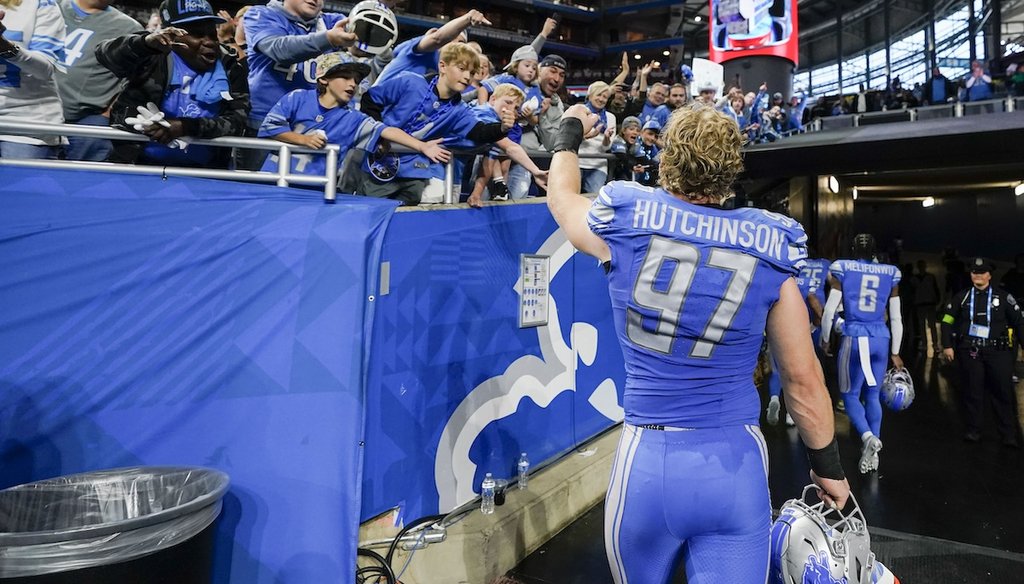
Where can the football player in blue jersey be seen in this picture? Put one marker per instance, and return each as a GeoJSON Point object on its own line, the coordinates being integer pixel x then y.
{"type": "Point", "coordinates": [283, 39]}
{"type": "Point", "coordinates": [863, 288]}
{"type": "Point", "coordinates": [811, 282]}
{"type": "Point", "coordinates": [693, 288]}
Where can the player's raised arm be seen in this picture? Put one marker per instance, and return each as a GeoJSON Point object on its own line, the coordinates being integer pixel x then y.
{"type": "Point", "coordinates": [567, 205]}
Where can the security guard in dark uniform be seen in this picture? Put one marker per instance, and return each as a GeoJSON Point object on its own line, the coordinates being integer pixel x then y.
{"type": "Point", "coordinates": [977, 329]}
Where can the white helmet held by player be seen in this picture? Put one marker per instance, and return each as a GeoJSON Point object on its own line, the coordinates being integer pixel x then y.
{"type": "Point", "coordinates": [897, 389]}
{"type": "Point", "coordinates": [806, 549]}
{"type": "Point", "coordinates": [375, 26]}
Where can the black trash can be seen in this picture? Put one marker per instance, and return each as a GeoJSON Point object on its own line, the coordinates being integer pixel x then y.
{"type": "Point", "coordinates": [141, 525]}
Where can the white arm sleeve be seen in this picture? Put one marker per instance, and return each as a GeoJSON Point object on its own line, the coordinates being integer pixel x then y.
{"type": "Point", "coordinates": [835, 298]}
{"type": "Point", "coordinates": [895, 324]}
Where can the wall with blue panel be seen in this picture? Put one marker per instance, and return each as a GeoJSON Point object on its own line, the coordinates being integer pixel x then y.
{"type": "Point", "coordinates": [456, 389]}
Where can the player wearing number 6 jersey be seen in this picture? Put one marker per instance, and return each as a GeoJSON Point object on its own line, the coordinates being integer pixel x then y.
{"type": "Point", "coordinates": [863, 288]}
{"type": "Point", "coordinates": [693, 288]}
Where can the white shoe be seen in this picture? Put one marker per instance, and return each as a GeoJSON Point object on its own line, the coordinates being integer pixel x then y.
{"type": "Point", "coordinates": [869, 455]}
{"type": "Point", "coordinates": [789, 420]}
{"type": "Point", "coordinates": [773, 411]}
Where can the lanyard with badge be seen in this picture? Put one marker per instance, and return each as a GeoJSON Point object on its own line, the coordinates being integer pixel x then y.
{"type": "Point", "coordinates": [976, 330]}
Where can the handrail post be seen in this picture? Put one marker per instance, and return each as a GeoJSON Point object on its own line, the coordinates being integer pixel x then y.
{"type": "Point", "coordinates": [1011, 105]}
{"type": "Point", "coordinates": [331, 188]}
{"type": "Point", "coordinates": [284, 164]}
{"type": "Point", "coordinates": [449, 182]}
{"type": "Point", "coordinates": [958, 109]}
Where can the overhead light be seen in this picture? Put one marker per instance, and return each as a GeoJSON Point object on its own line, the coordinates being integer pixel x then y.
{"type": "Point", "coordinates": [1019, 189]}
{"type": "Point", "coordinates": [637, 57]}
{"type": "Point", "coordinates": [928, 202]}
{"type": "Point", "coordinates": [666, 53]}
{"type": "Point", "coordinates": [833, 184]}
{"type": "Point", "coordinates": [696, 18]}
{"type": "Point", "coordinates": [854, 193]}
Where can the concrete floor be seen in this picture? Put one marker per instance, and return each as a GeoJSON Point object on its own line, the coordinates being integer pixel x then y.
{"type": "Point", "coordinates": [939, 509]}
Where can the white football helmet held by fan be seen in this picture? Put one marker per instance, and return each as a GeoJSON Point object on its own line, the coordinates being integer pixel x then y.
{"type": "Point", "coordinates": [806, 549]}
{"type": "Point", "coordinates": [897, 389]}
{"type": "Point", "coordinates": [375, 26]}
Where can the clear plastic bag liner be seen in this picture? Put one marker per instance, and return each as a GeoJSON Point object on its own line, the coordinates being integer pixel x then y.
{"type": "Point", "coordinates": [105, 517]}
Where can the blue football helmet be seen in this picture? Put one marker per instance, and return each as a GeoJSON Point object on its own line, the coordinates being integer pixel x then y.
{"type": "Point", "coordinates": [806, 549]}
{"type": "Point", "coordinates": [897, 389]}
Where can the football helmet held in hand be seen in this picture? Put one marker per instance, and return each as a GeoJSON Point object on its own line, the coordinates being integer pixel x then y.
{"type": "Point", "coordinates": [806, 549]}
{"type": "Point", "coordinates": [375, 26]}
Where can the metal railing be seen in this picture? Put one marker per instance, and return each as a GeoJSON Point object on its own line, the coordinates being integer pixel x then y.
{"type": "Point", "coordinates": [332, 177]}
{"type": "Point", "coordinates": [930, 112]}
{"type": "Point", "coordinates": [282, 178]}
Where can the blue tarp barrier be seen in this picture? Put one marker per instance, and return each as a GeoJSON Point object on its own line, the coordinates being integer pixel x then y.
{"type": "Point", "coordinates": [194, 322]}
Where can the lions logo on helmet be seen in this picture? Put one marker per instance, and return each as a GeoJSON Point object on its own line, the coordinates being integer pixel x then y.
{"type": "Point", "coordinates": [375, 26]}
{"type": "Point", "coordinates": [805, 549]}
{"type": "Point", "coordinates": [897, 389]}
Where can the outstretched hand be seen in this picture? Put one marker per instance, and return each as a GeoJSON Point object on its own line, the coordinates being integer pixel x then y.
{"type": "Point", "coordinates": [477, 18]}
{"type": "Point", "coordinates": [435, 152]}
{"type": "Point", "coordinates": [339, 35]}
{"type": "Point", "coordinates": [165, 39]}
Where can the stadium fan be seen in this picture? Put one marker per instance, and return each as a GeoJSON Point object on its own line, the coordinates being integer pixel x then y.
{"type": "Point", "coordinates": [180, 82]}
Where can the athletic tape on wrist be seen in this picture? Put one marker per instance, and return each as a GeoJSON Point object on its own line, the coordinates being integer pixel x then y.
{"type": "Point", "coordinates": [825, 461]}
{"type": "Point", "coordinates": [570, 136]}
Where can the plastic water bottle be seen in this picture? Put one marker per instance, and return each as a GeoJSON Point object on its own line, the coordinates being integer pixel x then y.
{"type": "Point", "coordinates": [523, 468]}
{"type": "Point", "coordinates": [487, 495]}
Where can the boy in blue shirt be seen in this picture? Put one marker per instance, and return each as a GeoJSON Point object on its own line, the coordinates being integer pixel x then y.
{"type": "Point", "coordinates": [315, 118]}
{"type": "Point", "coordinates": [283, 38]}
{"type": "Point", "coordinates": [425, 108]}
{"type": "Point", "coordinates": [862, 287]}
{"type": "Point", "coordinates": [505, 97]}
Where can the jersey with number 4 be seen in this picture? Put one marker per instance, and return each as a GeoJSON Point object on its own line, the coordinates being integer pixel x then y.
{"type": "Point", "coordinates": [691, 286]}
{"type": "Point", "coordinates": [866, 288]}
{"type": "Point", "coordinates": [268, 80]}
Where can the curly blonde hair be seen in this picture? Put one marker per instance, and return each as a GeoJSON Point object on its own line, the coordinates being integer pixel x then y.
{"type": "Point", "coordinates": [702, 155]}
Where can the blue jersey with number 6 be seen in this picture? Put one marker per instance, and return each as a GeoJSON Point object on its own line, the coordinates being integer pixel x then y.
{"type": "Point", "coordinates": [691, 286]}
{"type": "Point", "coordinates": [866, 288]}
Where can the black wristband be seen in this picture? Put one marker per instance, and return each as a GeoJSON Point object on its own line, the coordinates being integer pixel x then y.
{"type": "Point", "coordinates": [570, 136]}
{"type": "Point", "coordinates": [825, 461]}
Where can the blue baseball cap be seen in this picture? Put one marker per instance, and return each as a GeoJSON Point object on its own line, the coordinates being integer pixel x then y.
{"type": "Point", "coordinates": [652, 125]}
{"type": "Point", "coordinates": [174, 12]}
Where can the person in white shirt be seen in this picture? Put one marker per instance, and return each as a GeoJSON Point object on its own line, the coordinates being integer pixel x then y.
{"type": "Point", "coordinates": [31, 50]}
{"type": "Point", "coordinates": [598, 140]}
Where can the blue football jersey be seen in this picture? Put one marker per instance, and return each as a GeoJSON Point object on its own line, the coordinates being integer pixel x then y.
{"type": "Point", "coordinates": [812, 279]}
{"type": "Point", "coordinates": [410, 102]}
{"type": "Point", "coordinates": [268, 81]}
{"type": "Point", "coordinates": [866, 288]}
{"type": "Point", "coordinates": [300, 111]}
{"type": "Point", "coordinates": [406, 58]}
{"type": "Point", "coordinates": [691, 286]}
{"type": "Point", "coordinates": [659, 114]}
